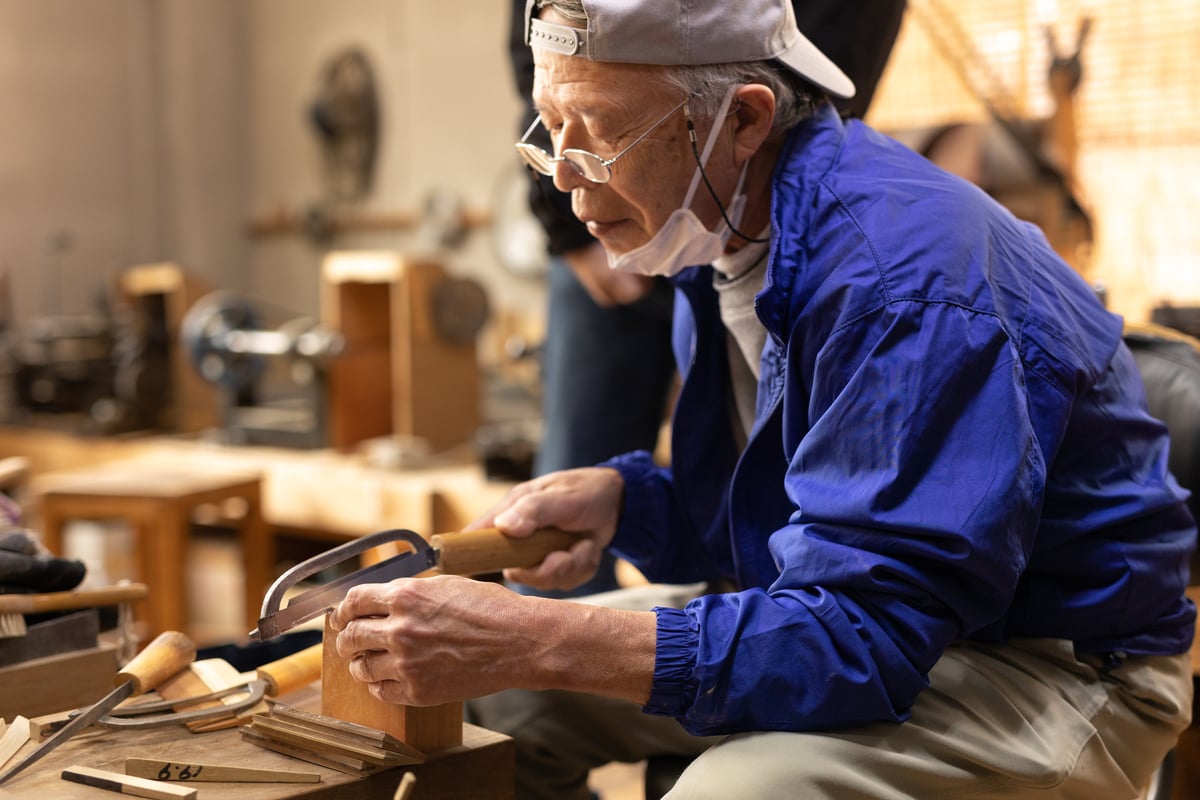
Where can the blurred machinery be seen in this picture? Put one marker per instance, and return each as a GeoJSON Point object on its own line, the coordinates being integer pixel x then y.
{"type": "Point", "coordinates": [103, 372]}
{"type": "Point", "coordinates": [272, 383]}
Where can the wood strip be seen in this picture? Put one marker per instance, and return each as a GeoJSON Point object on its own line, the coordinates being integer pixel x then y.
{"type": "Point", "coordinates": [380, 738]}
{"type": "Point", "coordinates": [349, 766]}
{"type": "Point", "coordinates": [204, 677]}
{"type": "Point", "coordinates": [405, 789]}
{"type": "Point", "coordinates": [16, 736]}
{"type": "Point", "coordinates": [125, 784]}
{"type": "Point", "coordinates": [326, 743]}
{"type": "Point", "coordinates": [157, 769]}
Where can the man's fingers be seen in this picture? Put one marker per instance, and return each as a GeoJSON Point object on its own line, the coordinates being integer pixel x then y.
{"type": "Point", "coordinates": [562, 569]}
{"type": "Point", "coordinates": [361, 601]}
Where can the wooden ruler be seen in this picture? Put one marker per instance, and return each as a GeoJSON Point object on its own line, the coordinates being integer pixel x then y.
{"type": "Point", "coordinates": [160, 770]}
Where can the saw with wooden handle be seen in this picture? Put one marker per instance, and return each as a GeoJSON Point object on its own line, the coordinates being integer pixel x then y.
{"type": "Point", "coordinates": [465, 553]}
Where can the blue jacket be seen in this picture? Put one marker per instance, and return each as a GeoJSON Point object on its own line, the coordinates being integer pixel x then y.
{"type": "Point", "coordinates": [951, 443]}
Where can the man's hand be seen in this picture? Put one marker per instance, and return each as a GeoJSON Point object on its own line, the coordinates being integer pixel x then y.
{"type": "Point", "coordinates": [425, 641]}
{"type": "Point", "coordinates": [605, 285]}
{"type": "Point", "coordinates": [585, 501]}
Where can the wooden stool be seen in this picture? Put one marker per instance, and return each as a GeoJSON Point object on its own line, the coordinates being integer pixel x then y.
{"type": "Point", "coordinates": [157, 498]}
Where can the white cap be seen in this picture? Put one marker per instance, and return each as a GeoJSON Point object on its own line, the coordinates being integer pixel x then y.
{"type": "Point", "coordinates": [690, 33]}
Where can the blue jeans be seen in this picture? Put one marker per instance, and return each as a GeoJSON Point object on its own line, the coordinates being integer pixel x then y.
{"type": "Point", "coordinates": [606, 376]}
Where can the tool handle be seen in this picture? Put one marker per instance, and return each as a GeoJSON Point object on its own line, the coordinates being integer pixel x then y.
{"type": "Point", "coordinates": [169, 653]}
{"type": "Point", "coordinates": [80, 598]}
{"type": "Point", "coordinates": [489, 550]}
{"type": "Point", "coordinates": [292, 672]}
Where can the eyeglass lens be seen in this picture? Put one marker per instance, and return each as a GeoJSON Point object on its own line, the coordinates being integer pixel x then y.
{"type": "Point", "coordinates": [589, 165]}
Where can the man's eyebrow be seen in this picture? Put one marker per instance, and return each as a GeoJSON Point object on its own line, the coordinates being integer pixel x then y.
{"type": "Point", "coordinates": [576, 111]}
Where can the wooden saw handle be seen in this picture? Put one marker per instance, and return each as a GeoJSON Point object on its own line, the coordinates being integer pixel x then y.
{"type": "Point", "coordinates": [80, 598]}
{"type": "Point", "coordinates": [489, 550]}
{"type": "Point", "coordinates": [169, 653]}
{"type": "Point", "coordinates": [292, 672]}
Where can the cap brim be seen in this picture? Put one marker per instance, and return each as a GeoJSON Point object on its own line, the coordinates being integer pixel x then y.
{"type": "Point", "coordinates": [803, 58]}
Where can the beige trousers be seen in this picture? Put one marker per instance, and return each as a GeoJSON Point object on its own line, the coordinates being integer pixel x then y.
{"type": "Point", "coordinates": [1024, 720]}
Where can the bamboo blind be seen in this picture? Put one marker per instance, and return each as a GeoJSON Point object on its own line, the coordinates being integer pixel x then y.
{"type": "Point", "coordinates": [1137, 116]}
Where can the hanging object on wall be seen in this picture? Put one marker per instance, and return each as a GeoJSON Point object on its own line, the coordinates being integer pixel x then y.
{"type": "Point", "coordinates": [345, 118]}
{"type": "Point", "coordinates": [1028, 164]}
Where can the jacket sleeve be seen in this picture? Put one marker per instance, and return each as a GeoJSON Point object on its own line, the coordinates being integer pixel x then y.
{"type": "Point", "coordinates": [653, 534]}
{"type": "Point", "coordinates": [916, 483]}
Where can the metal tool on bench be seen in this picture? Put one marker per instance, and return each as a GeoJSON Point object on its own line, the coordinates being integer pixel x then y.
{"type": "Point", "coordinates": [278, 677]}
{"type": "Point", "coordinates": [287, 674]}
{"type": "Point", "coordinates": [465, 553]}
{"type": "Point", "coordinates": [166, 655]}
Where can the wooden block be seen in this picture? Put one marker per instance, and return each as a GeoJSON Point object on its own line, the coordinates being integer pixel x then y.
{"type": "Point", "coordinates": [423, 385]}
{"type": "Point", "coordinates": [124, 784]}
{"type": "Point", "coordinates": [43, 727]}
{"type": "Point", "coordinates": [342, 697]}
{"type": "Point", "coordinates": [64, 681]}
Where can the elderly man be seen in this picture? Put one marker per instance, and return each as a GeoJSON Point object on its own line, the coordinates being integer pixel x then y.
{"type": "Point", "coordinates": [910, 447]}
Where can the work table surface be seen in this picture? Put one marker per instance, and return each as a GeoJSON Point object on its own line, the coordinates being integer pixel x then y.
{"type": "Point", "coordinates": [107, 749]}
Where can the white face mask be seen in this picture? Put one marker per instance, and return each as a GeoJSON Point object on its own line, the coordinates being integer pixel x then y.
{"type": "Point", "coordinates": [683, 241]}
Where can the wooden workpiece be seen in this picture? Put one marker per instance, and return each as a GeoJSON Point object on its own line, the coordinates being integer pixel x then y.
{"type": "Point", "coordinates": [429, 730]}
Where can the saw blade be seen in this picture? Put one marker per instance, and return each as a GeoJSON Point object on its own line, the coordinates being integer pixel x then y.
{"type": "Point", "coordinates": [316, 602]}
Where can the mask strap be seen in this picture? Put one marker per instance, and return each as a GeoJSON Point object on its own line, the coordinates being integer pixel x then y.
{"type": "Point", "coordinates": [709, 144]}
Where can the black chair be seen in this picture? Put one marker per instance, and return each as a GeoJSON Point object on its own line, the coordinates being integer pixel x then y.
{"type": "Point", "coordinates": [1170, 365]}
{"type": "Point", "coordinates": [1169, 362]}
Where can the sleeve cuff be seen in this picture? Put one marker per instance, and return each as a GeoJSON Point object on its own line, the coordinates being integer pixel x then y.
{"type": "Point", "coordinates": [674, 663]}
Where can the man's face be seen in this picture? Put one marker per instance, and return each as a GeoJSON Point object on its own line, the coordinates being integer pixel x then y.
{"type": "Point", "coordinates": [602, 108]}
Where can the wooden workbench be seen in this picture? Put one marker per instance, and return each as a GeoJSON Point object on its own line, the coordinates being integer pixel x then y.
{"type": "Point", "coordinates": [482, 769]}
{"type": "Point", "coordinates": [307, 490]}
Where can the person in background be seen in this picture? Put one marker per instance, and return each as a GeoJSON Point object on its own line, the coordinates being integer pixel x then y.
{"type": "Point", "coordinates": [607, 367]}
{"type": "Point", "coordinates": [910, 447]}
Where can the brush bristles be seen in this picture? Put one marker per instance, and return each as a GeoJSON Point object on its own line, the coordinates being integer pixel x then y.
{"type": "Point", "coordinates": [12, 626]}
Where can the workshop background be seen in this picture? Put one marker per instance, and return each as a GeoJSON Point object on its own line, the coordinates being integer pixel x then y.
{"type": "Point", "coordinates": [140, 131]}
{"type": "Point", "coordinates": [243, 143]}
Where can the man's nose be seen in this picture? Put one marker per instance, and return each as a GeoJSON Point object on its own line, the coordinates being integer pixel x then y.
{"type": "Point", "coordinates": [567, 176]}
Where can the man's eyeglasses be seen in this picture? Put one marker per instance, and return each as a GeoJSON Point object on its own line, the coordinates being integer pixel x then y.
{"type": "Point", "coordinates": [589, 165]}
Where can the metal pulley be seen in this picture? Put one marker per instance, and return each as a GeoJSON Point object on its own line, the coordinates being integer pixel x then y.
{"type": "Point", "coordinates": [228, 345]}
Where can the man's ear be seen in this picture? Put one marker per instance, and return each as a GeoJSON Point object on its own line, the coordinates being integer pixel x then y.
{"type": "Point", "coordinates": [754, 115]}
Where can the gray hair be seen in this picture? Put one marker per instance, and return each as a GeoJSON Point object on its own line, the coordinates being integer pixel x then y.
{"type": "Point", "coordinates": [795, 99]}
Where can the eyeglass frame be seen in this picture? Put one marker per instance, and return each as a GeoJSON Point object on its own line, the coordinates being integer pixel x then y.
{"type": "Point", "coordinates": [524, 148]}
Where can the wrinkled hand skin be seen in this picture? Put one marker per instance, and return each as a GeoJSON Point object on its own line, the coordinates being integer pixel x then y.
{"type": "Point", "coordinates": [423, 641]}
{"type": "Point", "coordinates": [426, 641]}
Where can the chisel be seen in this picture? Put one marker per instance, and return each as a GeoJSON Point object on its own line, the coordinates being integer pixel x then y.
{"type": "Point", "coordinates": [166, 655]}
